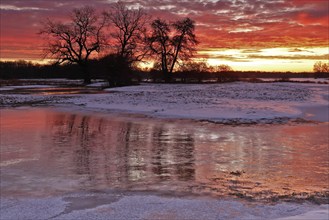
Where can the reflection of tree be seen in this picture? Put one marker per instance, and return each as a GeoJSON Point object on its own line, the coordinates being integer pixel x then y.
{"type": "Point", "coordinates": [159, 150]}
{"type": "Point", "coordinates": [122, 152]}
{"type": "Point", "coordinates": [118, 153]}
{"type": "Point", "coordinates": [70, 123]}
{"type": "Point", "coordinates": [83, 152]}
{"type": "Point", "coordinates": [173, 154]}
{"type": "Point", "coordinates": [136, 152]}
{"type": "Point", "coordinates": [185, 155]}
{"type": "Point", "coordinates": [74, 136]}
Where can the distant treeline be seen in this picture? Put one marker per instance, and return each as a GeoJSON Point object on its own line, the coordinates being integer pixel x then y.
{"type": "Point", "coordinates": [100, 69]}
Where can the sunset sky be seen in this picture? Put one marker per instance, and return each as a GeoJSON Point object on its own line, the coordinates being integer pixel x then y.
{"type": "Point", "coordinates": [271, 35]}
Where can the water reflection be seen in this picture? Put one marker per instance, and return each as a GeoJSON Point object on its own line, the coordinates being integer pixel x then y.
{"type": "Point", "coordinates": [56, 91]}
{"type": "Point", "coordinates": [128, 151]}
{"type": "Point", "coordinates": [74, 151]}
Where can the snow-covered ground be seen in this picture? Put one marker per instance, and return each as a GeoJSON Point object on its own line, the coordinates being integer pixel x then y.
{"type": "Point", "coordinates": [116, 205]}
{"type": "Point", "coordinates": [217, 102]}
{"type": "Point", "coordinates": [230, 102]}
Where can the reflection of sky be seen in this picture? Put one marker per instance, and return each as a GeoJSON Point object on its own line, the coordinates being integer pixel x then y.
{"type": "Point", "coordinates": [98, 152]}
{"type": "Point", "coordinates": [270, 27]}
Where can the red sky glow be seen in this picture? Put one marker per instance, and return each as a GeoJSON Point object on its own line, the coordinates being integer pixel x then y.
{"type": "Point", "coordinates": [271, 35]}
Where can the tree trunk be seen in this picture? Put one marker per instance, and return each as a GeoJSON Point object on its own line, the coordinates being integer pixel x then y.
{"type": "Point", "coordinates": [86, 74]}
{"type": "Point", "coordinates": [87, 80]}
{"type": "Point", "coordinates": [168, 77]}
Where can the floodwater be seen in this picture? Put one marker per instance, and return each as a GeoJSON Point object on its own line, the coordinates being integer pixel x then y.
{"type": "Point", "coordinates": [48, 151]}
{"type": "Point", "coordinates": [55, 91]}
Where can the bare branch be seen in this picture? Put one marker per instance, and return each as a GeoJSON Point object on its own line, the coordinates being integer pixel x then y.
{"type": "Point", "coordinates": [77, 40]}
{"type": "Point", "coordinates": [169, 48]}
{"type": "Point", "coordinates": [130, 27]}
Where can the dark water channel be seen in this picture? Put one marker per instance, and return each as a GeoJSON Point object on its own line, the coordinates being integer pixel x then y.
{"type": "Point", "coordinates": [45, 151]}
{"type": "Point", "coordinates": [55, 91]}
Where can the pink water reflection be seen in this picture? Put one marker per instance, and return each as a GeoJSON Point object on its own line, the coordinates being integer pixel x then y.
{"type": "Point", "coordinates": [47, 151]}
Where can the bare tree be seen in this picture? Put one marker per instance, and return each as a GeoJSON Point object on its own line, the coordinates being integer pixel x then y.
{"type": "Point", "coordinates": [170, 47]}
{"type": "Point", "coordinates": [193, 66]}
{"type": "Point", "coordinates": [77, 40]}
{"type": "Point", "coordinates": [223, 68]}
{"type": "Point", "coordinates": [321, 67]}
{"type": "Point", "coordinates": [160, 44]}
{"type": "Point", "coordinates": [184, 40]}
{"type": "Point", "coordinates": [130, 25]}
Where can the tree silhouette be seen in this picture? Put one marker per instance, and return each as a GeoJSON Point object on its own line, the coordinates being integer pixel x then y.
{"type": "Point", "coordinates": [198, 67]}
{"type": "Point", "coordinates": [223, 68]}
{"type": "Point", "coordinates": [184, 40]}
{"type": "Point", "coordinates": [224, 73]}
{"type": "Point", "coordinates": [170, 47]}
{"type": "Point", "coordinates": [321, 67]}
{"type": "Point", "coordinates": [130, 34]}
{"type": "Point", "coordinates": [76, 41]}
{"type": "Point", "coordinates": [160, 43]}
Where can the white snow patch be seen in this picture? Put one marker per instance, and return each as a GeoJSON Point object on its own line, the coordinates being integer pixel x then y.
{"type": "Point", "coordinates": [216, 102]}
{"type": "Point", "coordinates": [320, 214]}
{"type": "Point", "coordinates": [106, 206]}
{"type": "Point", "coordinates": [98, 85]}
